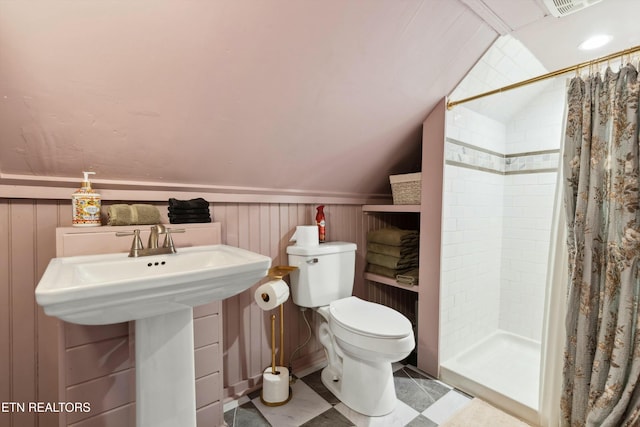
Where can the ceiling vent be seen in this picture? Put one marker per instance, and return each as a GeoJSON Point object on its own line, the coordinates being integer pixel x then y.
{"type": "Point", "coordinates": [560, 8]}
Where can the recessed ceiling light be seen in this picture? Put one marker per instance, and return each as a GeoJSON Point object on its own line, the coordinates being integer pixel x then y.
{"type": "Point", "coordinates": [595, 42]}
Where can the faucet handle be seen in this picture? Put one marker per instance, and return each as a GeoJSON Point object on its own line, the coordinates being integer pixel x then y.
{"type": "Point", "coordinates": [168, 240]}
{"type": "Point", "coordinates": [136, 245]}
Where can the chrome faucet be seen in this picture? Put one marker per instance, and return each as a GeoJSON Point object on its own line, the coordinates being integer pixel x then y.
{"type": "Point", "coordinates": [137, 250]}
{"type": "Point", "coordinates": [153, 236]}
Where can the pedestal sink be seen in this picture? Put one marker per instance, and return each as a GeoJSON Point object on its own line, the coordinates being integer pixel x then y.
{"type": "Point", "coordinates": [159, 293]}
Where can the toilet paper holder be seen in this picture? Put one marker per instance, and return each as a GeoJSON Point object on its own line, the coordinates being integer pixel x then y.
{"type": "Point", "coordinates": [280, 271]}
{"type": "Point", "coordinates": [279, 393]}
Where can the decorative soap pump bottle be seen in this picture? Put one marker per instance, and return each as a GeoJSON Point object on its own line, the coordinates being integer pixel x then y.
{"type": "Point", "coordinates": [86, 205]}
{"type": "Point", "coordinates": [320, 221]}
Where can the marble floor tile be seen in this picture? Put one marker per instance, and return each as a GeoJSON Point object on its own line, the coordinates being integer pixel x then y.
{"type": "Point", "coordinates": [446, 406]}
{"type": "Point", "coordinates": [422, 421]}
{"type": "Point", "coordinates": [422, 402]}
{"type": "Point", "coordinates": [314, 381]}
{"type": "Point", "coordinates": [304, 405]}
{"type": "Point", "coordinates": [399, 417]}
{"type": "Point", "coordinates": [330, 418]}
{"type": "Point", "coordinates": [246, 415]}
{"type": "Point", "coordinates": [417, 390]}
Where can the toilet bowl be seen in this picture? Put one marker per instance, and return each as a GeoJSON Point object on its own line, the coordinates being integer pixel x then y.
{"type": "Point", "coordinates": [361, 339]}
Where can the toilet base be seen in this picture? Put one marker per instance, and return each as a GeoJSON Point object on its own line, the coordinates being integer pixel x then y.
{"type": "Point", "coordinates": [365, 387]}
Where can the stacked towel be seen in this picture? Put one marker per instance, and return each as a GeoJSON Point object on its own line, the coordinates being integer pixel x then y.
{"type": "Point", "coordinates": [393, 252]}
{"type": "Point", "coordinates": [408, 278]}
{"type": "Point", "coordinates": [189, 211]}
{"type": "Point", "coordinates": [123, 214]}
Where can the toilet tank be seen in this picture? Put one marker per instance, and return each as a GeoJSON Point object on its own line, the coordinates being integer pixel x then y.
{"type": "Point", "coordinates": [325, 273]}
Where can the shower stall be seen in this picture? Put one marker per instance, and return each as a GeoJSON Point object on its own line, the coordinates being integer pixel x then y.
{"type": "Point", "coordinates": [499, 191]}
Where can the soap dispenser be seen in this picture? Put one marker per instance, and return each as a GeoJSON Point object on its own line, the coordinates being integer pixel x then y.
{"type": "Point", "coordinates": [86, 205]}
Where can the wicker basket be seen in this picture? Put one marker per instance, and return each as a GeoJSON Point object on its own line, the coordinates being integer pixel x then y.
{"type": "Point", "coordinates": [406, 188]}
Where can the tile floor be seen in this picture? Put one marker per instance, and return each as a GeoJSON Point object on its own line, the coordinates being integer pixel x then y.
{"type": "Point", "coordinates": [422, 402]}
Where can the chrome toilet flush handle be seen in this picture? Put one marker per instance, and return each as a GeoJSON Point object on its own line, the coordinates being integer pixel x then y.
{"type": "Point", "coordinates": [313, 261]}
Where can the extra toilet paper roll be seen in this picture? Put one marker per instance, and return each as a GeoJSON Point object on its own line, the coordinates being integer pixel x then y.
{"type": "Point", "coordinates": [306, 235]}
{"type": "Point", "coordinates": [275, 387]}
{"type": "Point", "coordinates": [271, 294]}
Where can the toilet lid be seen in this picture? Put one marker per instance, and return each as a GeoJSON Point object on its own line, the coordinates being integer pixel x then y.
{"type": "Point", "coordinates": [368, 318]}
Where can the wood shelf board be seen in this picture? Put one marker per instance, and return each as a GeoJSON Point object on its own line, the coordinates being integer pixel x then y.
{"type": "Point", "coordinates": [389, 281]}
{"type": "Point", "coordinates": [391, 208]}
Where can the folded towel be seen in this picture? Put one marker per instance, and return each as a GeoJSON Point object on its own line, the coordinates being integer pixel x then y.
{"type": "Point", "coordinates": [396, 251]}
{"type": "Point", "coordinates": [178, 211]}
{"type": "Point", "coordinates": [384, 271]}
{"type": "Point", "coordinates": [188, 220]}
{"type": "Point", "coordinates": [188, 204]}
{"type": "Point", "coordinates": [190, 216]}
{"type": "Point", "coordinates": [123, 214]}
{"type": "Point", "coordinates": [391, 261]}
{"type": "Point", "coordinates": [409, 278]}
{"type": "Point", "coordinates": [393, 236]}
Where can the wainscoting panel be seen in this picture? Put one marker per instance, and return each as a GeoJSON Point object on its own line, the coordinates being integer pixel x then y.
{"type": "Point", "coordinates": [28, 337]}
{"type": "Point", "coordinates": [267, 228]}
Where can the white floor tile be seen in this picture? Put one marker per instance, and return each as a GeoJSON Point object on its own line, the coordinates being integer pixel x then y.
{"type": "Point", "coordinates": [446, 406]}
{"type": "Point", "coordinates": [235, 403]}
{"type": "Point", "coordinates": [304, 405]}
{"type": "Point", "coordinates": [399, 417]}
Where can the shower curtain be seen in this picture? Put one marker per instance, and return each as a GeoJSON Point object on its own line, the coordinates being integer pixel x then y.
{"type": "Point", "coordinates": [601, 373]}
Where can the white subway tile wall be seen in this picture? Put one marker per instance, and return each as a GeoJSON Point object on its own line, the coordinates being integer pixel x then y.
{"type": "Point", "coordinates": [500, 181]}
{"type": "Point", "coordinates": [472, 243]}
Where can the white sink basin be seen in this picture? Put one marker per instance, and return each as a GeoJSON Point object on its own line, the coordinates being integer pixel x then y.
{"type": "Point", "coordinates": [159, 293]}
{"type": "Point", "coordinates": [112, 288]}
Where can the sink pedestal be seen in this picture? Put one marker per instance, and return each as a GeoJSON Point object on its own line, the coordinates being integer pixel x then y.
{"type": "Point", "coordinates": [158, 293]}
{"type": "Point", "coordinates": [165, 371]}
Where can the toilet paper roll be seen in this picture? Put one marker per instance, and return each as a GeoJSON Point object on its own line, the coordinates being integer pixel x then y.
{"type": "Point", "coordinates": [306, 235]}
{"type": "Point", "coordinates": [271, 294]}
{"type": "Point", "coordinates": [275, 387]}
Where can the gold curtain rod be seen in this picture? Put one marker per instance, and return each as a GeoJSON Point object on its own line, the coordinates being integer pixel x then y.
{"type": "Point", "coordinates": [556, 73]}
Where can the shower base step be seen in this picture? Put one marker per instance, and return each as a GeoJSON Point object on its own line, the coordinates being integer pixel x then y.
{"type": "Point", "coordinates": [503, 369]}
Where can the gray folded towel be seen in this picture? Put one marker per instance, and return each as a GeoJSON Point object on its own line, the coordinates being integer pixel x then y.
{"type": "Point", "coordinates": [136, 214]}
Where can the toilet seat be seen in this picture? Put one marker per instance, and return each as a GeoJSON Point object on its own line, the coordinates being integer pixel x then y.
{"type": "Point", "coordinates": [369, 319]}
{"type": "Point", "coordinates": [370, 331]}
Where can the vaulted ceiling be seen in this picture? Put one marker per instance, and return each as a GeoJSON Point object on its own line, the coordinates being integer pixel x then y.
{"type": "Point", "coordinates": [324, 97]}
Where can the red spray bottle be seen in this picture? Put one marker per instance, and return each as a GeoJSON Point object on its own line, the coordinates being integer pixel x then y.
{"type": "Point", "coordinates": [321, 223]}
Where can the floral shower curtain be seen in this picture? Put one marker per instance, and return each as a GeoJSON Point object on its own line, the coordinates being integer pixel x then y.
{"type": "Point", "coordinates": [601, 374]}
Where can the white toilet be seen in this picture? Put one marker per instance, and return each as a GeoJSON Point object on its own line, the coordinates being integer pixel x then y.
{"type": "Point", "coordinates": [361, 338]}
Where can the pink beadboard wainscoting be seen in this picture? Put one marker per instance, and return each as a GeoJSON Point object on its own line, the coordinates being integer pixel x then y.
{"type": "Point", "coordinates": [28, 337]}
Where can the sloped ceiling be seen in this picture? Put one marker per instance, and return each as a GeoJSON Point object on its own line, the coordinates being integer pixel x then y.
{"type": "Point", "coordinates": [507, 61]}
{"type": "Point", "coordinates": [533, 44]}
{"type": "Point", "coordinates": [317, 97]}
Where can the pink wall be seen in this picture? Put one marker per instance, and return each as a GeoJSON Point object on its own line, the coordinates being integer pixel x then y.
{"type": "Point", "coordinates": [283, 95]}
{"type": "Point", "coordinates": [27, 242]}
